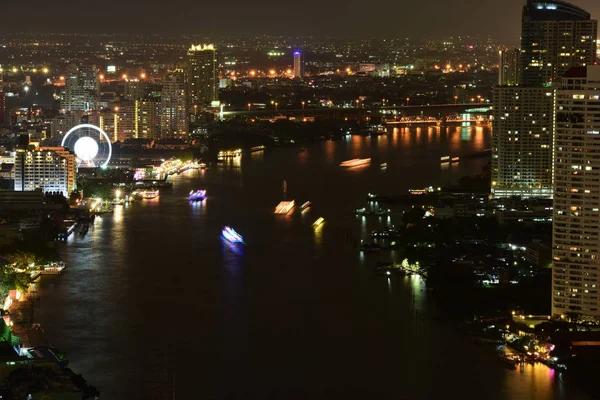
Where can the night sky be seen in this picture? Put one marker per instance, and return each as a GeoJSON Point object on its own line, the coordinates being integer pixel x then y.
{"type": "Point", "coordinates": [391, 18]}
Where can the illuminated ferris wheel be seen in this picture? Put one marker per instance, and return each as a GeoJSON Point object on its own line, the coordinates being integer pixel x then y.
{"type": "Point", "coordinates": [90, 144]}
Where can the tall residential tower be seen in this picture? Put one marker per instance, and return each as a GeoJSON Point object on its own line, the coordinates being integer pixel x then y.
{"type": "Point", "coordinates": [202, 81]}
{"type": "Point", "coordinates": [555, 36]}
{"type": "Point", "coordinates": [174, 120]}
{"type": "Point", "coordinates": [576, 230]}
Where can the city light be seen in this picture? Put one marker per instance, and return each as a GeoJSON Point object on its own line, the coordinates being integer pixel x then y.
{"type": "Point", "coordinates": [252, 72]}
{"type": "Point", "coordinates": [143, 75]}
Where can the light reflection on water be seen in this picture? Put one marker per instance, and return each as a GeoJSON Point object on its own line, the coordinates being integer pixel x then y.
{"type": "Point", "coordinates": [295, 307]}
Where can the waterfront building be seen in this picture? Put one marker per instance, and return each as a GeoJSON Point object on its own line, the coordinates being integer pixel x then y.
{"type": "Point", "coordinates": [522, 142]}
{"type": "Point", "coordinates": [174, 120]}
{"type": "Point", "coordinates": [576, 230]}
{"type": "Point", "coordinates": [555, 36]}
{"type": "Point", "coordinates": [508, 72]}
{"type": "Point", "coordinates": [71, 164]}
{"type": "Point", "coordinates": [298, 64]}
{"type": "Point", "coordinates": [202, 84]}
{"type": "Point", "coordinates": [147, 119]}
{"type": "Point", "coordinates": [40, 169]}
{"type": "Point", "coordinates": [82, 88]}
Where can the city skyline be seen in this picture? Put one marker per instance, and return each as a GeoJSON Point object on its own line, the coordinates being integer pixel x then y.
{"type": "Point", "coordinates": [334, 18]}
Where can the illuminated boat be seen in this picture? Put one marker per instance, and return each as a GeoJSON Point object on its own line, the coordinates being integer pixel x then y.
{"type": "Point", "coordinates": [445, 159]}
{"type": "Point", "coordinates": [284, 207]}
{"type": "Point", "coordinates": [454, 159]}
{"type": "Point", "coordinates": [231, 235]}
{"type": "Point", "coordinates": [256, 148]}
{"type": "Point", "coordinates": [383, 165]}
{"type": "Point", "coordinates": [355, 162]}
{"type": "Point", "coordinates": [149, 194]}
{"type": "Point", "coordinates": [318, 222]}
{"type": "Point", "coordinates": [197, 195]}
{"type": "Point", "coordinates": [305, 205]}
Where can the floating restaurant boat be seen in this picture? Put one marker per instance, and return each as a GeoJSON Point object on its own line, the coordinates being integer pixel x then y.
{"type": "Point", "coordinates": [364, 211]}
{"type": "Point", "coordinates": [229, 153]}
{"type": "Point", "coordinates": [197, 195]}
{"type": "Point", "coordinates": [318, 222]}
{"type": "Point", "coordinates": [52, 269]}
{"type": "Point", "coordinates": [231, 235]}
{"type": "Point", "coordinates": [305, 205]}
{"type": "Point", "coordinates": [355, 162]}
{"type": "Point", "coordinates": [284, 207]}
{"type": "Point", "coordinates": [149, 194]}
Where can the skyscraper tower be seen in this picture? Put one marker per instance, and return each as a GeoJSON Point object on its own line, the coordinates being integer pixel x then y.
{"type": "Point", "coordinates": [201, 76]}
{"type": "Point", "coordinates": [2, 104]}
{"type": "Point", "coordinates": [508, 74]}
{"type": "Point", "coordinates": [576, 221]}
{"type": "Point", "coordinates": [174, 121]}
{"type": "Point", "coordinates": [555, 36]}
{"type": "Point", "coordinates": [82, 88]}
{"type": "Point", "coordinates": [298, 65]}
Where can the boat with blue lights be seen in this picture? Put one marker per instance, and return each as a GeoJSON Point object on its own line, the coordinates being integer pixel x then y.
{"type": "Point", "coordinates": [197, 195]}
{"type": "Point", "coordinates": [231, 235]}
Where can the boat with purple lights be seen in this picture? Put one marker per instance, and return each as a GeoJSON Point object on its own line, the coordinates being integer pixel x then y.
{"type": "Point", "coordinates": [197, 195]}
{"type": "Point", "coordinates": [231, 235]}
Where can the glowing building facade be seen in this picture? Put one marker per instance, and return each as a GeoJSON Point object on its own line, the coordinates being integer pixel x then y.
{"type": "Point", "coordinates": [202, 84]}
{"type": "Point", "coordinates": [174, 120]}
{"type": "Point", "coordinates": [576, 230]}
{"type": "Point", "coordinates": [40, 169]}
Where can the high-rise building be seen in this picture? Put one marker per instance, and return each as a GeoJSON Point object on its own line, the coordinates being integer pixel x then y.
{"type": "Point", "coordinates": [522, 142]}
{"type": "Point", "coordinates": [82, 88]}
{"type": "Point", "coordinates": [124, 122]}
{"type": "Point", "coordinates": [134, 89]}
{"type": "Point", "coordinates": [147, 119]}
{"type": "Point", "coordinates": [2, 100]}
{"type": "Point", "coordinates": [174, 120]}
{"type": "Point", "coordinates": [576, 233]}
{"type": "Point", "coordinates": [68, 155]}
{"type": "Point", "coordinates": [508, 73]}
{"type": "Point", "coordinates": [38, 169]}
{"type": "Point", "coordinates": [555, 36]}
{"type": "Point", "coordinates": [202, 81]}
{"type": "Point", "coordinates": [298, 64]}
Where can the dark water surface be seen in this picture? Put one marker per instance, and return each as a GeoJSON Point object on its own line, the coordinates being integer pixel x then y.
{"type": "Point", "coordinates": [155, 305]}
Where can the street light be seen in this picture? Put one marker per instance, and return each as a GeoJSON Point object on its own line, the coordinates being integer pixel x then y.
{"type": "Point", "coordinates": [455, 99]}
{"type": "Point", "coordinates": [276, 104]}
{"type": "Point", "coordinates": [408, 101]}
{"type": "Point", "coordinates": [249, 105]}
{"type": "Point", "coordinates": [357, 101]}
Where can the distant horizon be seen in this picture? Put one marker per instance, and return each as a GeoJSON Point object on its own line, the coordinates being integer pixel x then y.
{"type": "Point", "coordinates": [500, 20]}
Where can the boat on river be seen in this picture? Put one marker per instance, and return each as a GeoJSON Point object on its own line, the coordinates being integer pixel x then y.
{"type": "Point", "coordinates": [197, 195]}
{"type": "Point", "coordinates": [355, 162]}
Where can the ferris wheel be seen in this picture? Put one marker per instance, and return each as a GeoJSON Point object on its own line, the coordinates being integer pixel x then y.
{"type": "Point", "coordinates": [90, 144]}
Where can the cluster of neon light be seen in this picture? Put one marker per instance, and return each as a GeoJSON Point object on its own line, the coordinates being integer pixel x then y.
{"type": "Point", "coordinates": [198, 195]}
{"type": "Point", "coordinates": [231, 235]}
{"type": "Point", "coordinates": [355, 162]}
{"type": "Point", "coordinates": [284, 207]}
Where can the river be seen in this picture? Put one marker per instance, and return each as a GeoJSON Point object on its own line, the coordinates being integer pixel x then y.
{"type": "Point", "coordinates": [155, 305]}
